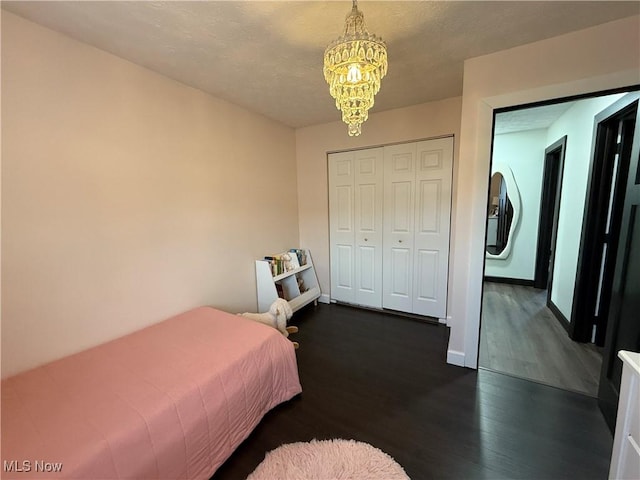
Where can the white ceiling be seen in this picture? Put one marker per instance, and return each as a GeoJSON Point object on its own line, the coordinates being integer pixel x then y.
{"type": "Point", "coordinates": [530, 118]}
{"type": "Point", "coordinates": [267, 56]}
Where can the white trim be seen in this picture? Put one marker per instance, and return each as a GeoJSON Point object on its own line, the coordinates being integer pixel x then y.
{"type": "Point", "coordinates": [455, 358]}
{"type": "Point", "coordinates": [324, 298]}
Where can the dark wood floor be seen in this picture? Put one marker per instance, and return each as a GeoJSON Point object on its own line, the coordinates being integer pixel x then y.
{"type": "Point", "coordinates": [520, 336]}
{"type": "Point", "coordinates": [383, 379]}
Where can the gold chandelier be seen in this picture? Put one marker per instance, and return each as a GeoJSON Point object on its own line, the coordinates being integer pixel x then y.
{"type": "Point", "coordinates": [354, 64]}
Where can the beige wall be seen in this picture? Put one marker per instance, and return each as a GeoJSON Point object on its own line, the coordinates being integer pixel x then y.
{"type": "Point", "coordinates": [312, 144]}
{"type": "Point", "coordinates": [595, 59]}
{"type": "Point", "coordinates": [126, 197]}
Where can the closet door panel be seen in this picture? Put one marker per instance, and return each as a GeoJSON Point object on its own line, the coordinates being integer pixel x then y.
{"type": "Point", "coordinates": [401, 197]}
{"type": "Point", "coordinates": [399, 282]}
{"type": "Point", "coordinates": [428, 215]}
{"type": "Point", "coordinates": [366, 243]}
{"type": "Point", "coordinates": [399, 219]}
{"type": "Point", "coordinates": [344, 208]}
{"type": "Point", "coordinates": [432, 218]}
{"type": "Point", "coordinates": [355, 212]}
{"type": "Point", "coordinates": [427, 273]}
{"type": "Point", "coordinates": [368, 227]}
{"type": "Point", "coordinates": [367, 209]}
{"type": "Point", "coordinates": [344, 271]}
{"type": "Point", "coordinates": [342, 225]}
{"type": "Point", "coordinates": [366, 275]}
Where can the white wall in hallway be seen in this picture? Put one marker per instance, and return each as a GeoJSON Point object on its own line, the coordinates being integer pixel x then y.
{"type": "Point", "coordinates": [523, 152]}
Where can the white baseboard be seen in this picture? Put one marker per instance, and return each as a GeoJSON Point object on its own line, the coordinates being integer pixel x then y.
{"type": "Point", "coordinates": [455, 358]}
{"type": "Point", "coordinates": [324, 298]}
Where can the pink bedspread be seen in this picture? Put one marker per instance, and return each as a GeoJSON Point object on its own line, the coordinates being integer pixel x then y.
{"type": "Point", "coordinates": [170, 401]}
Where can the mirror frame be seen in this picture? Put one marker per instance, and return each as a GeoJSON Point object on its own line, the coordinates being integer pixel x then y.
{"type": "Point", "coordinates": [514, 197]}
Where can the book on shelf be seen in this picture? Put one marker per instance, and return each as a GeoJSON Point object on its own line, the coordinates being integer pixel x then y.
{"type": "Point", "coordinates": [301, 255]}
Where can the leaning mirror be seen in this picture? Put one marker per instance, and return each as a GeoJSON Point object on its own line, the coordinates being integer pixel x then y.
{"type": "Point", "coordinates": [503, 213]}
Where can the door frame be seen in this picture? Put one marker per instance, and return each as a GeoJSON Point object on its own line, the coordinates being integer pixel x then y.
{"type": "Point", "coordinates": [549, 211]}
{"type": "Point", "coordinates": [594, 217]}
{"type": "Point", "coordinates": [611, 372]}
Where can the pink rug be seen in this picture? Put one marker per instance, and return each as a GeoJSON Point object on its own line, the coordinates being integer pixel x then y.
{"type": "Point", "coordinates": [328, 460]}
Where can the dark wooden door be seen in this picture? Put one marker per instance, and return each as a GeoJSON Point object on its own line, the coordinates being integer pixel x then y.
{"type": "Point", "coordinates": [602, 224]}
{"type": "Point", "coordinates": [549, 209]}
{"type": "Point", "coordinates": [623, 320]}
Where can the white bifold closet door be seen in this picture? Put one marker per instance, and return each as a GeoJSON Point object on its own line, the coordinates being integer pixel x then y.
{"type": "Point", "coordinates": [355, 204]}
{"type": "Point", "coordinates": [389, 211]}
{"type": "Point", "coordinates": [417, 212]}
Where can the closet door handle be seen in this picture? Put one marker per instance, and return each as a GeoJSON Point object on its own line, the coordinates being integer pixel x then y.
{"type": "Point", "coordinates": [366, 239]}
{"type": "Point", "coordinates": [399, 241]}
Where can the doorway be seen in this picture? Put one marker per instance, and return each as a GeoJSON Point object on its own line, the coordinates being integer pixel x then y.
{"type": "Point", "coordinates": [603, 220]}
{"type": "Point", "coordinates": [549, 210]}
{"type": "Point", "coordinates": [620, 125]}
{"type": "Point", "coordinates": [529, 303]}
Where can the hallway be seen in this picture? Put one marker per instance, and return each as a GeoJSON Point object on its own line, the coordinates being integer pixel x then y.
{"type": "Point", "coordinates": [521, 337]}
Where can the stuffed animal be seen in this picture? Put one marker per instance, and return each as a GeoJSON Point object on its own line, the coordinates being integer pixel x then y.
{"type": "Point", "coordinates": [288, 263]}
{"type": "Point", "coordinates": [277, 316]}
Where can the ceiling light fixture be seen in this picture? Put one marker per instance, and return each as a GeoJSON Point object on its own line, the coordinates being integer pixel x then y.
{"type": "Point", "coordinates": [354, 64]}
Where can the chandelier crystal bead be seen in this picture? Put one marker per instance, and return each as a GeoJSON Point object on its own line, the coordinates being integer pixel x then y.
{"type": "Point", "coordinates": [354, 65]}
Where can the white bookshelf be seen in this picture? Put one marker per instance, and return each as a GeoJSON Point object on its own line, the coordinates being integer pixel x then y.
{"type": "Point", "coordinates": [266, 285]}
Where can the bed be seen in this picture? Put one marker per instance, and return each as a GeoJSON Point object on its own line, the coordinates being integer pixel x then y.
{"type": "Point", "coordinates": [170, 401]}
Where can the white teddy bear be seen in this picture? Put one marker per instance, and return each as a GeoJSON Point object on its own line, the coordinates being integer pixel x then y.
{"type": "Point", "coordinates": [288, 263]}
{"type": "Point", "coordinates": [277, 316]}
